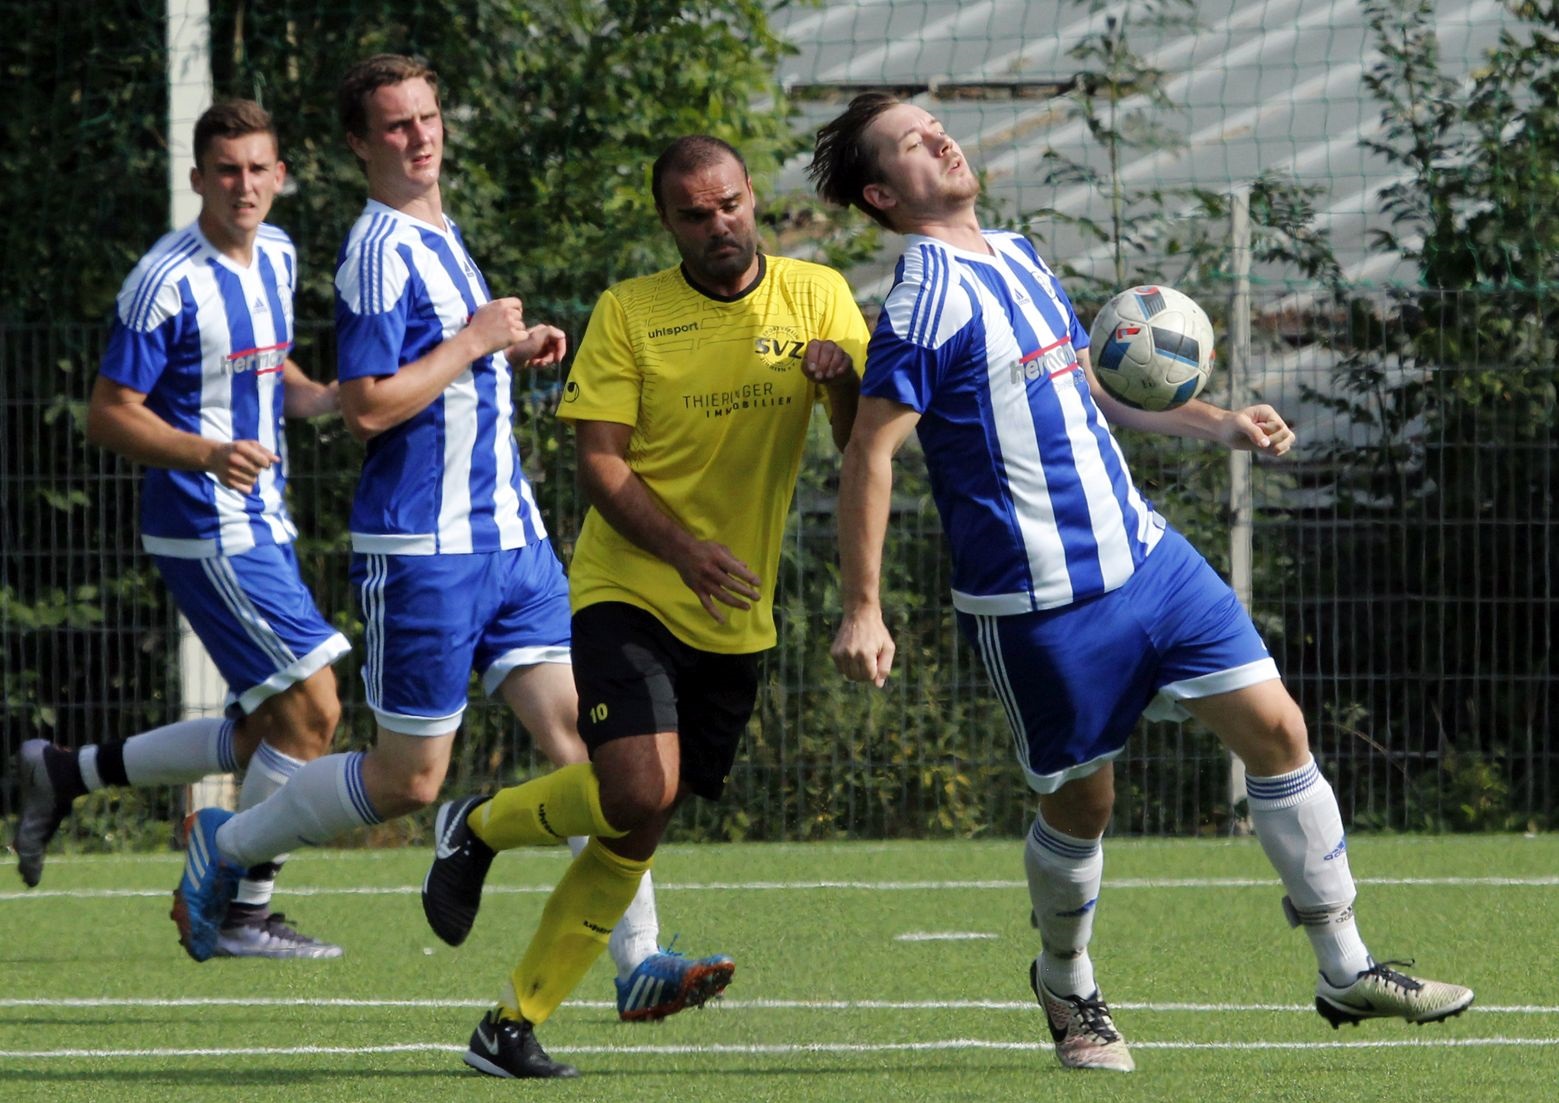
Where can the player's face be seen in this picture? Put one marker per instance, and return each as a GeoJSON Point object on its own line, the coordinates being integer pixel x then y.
{"type": "Point", "coordinates": [709, 213]}
{"type": "Point", "coordinates": [924, 171]}
{"type": "Point", "coordinates": [403, 149]}
{"type": "Point", "coordinates": [237, 181]}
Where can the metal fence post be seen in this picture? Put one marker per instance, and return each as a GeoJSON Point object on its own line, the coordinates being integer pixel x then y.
{"type": "Point", "coordinates": [201, 690]}
{"type": "Point", "coordinates": [1241, 506]}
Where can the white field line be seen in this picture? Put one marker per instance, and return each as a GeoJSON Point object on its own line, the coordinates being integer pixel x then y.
{"type": "Point", "coordinates": [561, 855]}
{"type": "Point", "coordinates": [782, 1049]}
{"type": "Point", "coordinates": [944, 936]}
{"type": "Point", "coordinates": [818, 886]}
{"type": "Point", "coordinates": [725, 1004]}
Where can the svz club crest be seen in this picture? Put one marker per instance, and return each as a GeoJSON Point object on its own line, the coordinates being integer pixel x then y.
{"type": "Point", "coordinates": [780, 347]}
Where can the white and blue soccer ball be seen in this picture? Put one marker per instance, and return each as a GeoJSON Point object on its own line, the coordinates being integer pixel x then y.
{"type": "Point", "coordinates": [1152, 347]}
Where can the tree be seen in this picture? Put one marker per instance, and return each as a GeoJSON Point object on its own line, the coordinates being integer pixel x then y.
{"type": "Point", "coordinates": [1455, 382]}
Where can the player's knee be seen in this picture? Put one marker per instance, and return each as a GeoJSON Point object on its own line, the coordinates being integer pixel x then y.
{"type": "Point", "coordinates": [317, 726]}
{"type": "Point", "coordinates": [629, 805]}
{"type": "Point", "coordinates": [1291, 730]}
{"type": "Point", "coordinates": [1079, 809]}
{"type": "Point", "coordinates": [400, 791]}
{"type": "Point", "coordinates": [421, 790]}
{"type": "Point", "coordinates": [1281, 744]}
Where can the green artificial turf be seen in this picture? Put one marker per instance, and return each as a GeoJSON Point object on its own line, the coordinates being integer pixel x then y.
{"type": "Point", "coordinates": [831, 1000]}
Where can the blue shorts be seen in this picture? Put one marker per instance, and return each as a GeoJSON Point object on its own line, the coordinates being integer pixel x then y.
{"type": "Point", "coordinates": [1074, 681]}
{"type": "Point", "coordinates": [256, 618]}
{"type": "Point", "coordinates": [430, 620]}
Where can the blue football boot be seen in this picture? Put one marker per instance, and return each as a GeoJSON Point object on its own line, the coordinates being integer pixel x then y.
{"type": "Point", "coordinates": [200, 902]}
{"type": "Point", "coordinates": [666, 982]}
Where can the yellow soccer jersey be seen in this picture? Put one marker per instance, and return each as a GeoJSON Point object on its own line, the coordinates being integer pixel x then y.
{"type": "Point", "coordinates": [719, 405]}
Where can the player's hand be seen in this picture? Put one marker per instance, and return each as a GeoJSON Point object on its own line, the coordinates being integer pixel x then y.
{"type": "Point", "coordinates": [237, 464]}
{"type": "Point", "coordinates": [542, 345]}
{"type": "Point", "coordinates": [497, 325]}
{"type": "Point", "coordinates": [863, 648]}
{"type": "Point", "coordinates": [1258, 429]}
{"type": "Point", "coordinates": [714, 573]}
{"type": "Point", "coordinates": [825, 362]}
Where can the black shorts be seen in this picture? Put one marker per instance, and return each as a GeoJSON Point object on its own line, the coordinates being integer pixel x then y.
{"type": "Point", "coordinates": [636, 678]}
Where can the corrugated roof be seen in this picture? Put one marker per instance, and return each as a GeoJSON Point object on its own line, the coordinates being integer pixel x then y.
{"type": "Point", "coordinates": [1268, 86]}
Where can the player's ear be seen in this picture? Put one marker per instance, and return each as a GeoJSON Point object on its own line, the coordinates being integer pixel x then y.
{"type": "Point", "coordinates": [196, 180]}
{"type": "Point", "coordinates": [879, 196]}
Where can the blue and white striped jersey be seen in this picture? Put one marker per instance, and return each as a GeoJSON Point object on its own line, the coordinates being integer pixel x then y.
{"type": "Point", "coordinates": [1033, 490]}
{"type": "Point", "coordinates": [447, 480]}
{"type": "Point", "coordinates": [205, 340]}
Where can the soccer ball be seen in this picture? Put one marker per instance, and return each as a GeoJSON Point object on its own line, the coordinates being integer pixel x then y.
{"type": "Point", "coordinates": [1152, 348]}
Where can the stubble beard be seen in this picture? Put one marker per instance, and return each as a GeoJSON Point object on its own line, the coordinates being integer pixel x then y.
{"type": "Point", "coordinates": [723, 269]}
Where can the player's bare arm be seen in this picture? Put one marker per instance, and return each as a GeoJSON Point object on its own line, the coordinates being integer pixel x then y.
{"type": "Point", "coordinates": [826, 363]}
{"type": "Point", "coordinates": [371, 404]}
{"type": "Point", "coordinates": [863, 648]}
{"type": "Point", "coordinates": [308, 398]}
{"type": "Point", "coordinates": [1256, 428]}
{"type": "Point", "coordinates": [708, 568]}
{"type": "Point", "coordinates": [118, 420]}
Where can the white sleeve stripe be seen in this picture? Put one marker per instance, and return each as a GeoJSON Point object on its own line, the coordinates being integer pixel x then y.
{"type": "Point", "coordinates": [920, 297]}
{"type": "Point", "coordinates": [368, 268]}
{"type": "Point", "coordinates": [365, 266]}
{"type": "Point", "coordinates": [145, 298]}
{"type": "Point", "coordinates": [382, 240]}
{"type": "Point", "coordinates": [932, 288]}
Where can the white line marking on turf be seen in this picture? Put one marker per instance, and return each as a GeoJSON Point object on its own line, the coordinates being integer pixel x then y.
{"type": "Point", "coordinates": [813, 886]}
{"type": "Point", "coordinates": [780, 1049]}
{"type": "Point", "coordinates": [725, 1003]}
{"type": "Point", "coordinates": [943, 936]}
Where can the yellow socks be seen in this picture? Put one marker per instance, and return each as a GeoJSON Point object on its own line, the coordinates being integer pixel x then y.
{"type": "Point", "coordinates": [574, 929]}
{"type": "Point", "coordinates": [543, 811]}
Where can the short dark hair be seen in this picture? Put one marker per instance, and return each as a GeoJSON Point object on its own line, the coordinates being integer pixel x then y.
{"type": "Point", "coordinates": [367, 77]}
{"type": "Point", "coordinates": [231, 119]}
{"type": "Point", "coordinates": [843, 162]}
{"type": "Point", "coordinates": [689, 154]}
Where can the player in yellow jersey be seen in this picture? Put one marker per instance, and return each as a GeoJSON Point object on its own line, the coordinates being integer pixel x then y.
{"type": "Point", "coordinates": [690, 396]}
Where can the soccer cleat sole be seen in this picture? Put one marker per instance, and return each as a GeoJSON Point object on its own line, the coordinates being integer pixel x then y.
{"type": "Point", "coordinates": [1339, 1016]}
{"type": "Point", "coordinates": [701, 984]}
{"type": "Point", "coordinates": [274, 940]}
{"type": "Point", "coordinates": [198, 948]}
{"type": "Point", "coordinates": [482, 1064]}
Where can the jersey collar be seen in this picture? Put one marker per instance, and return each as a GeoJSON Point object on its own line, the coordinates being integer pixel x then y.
{"type": "Point", "coordinates": [763, 267]}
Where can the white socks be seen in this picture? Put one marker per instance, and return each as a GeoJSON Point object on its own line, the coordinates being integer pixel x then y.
{"type": "Point", "coordinates": [268, 770]}
{"type": "Point", "coordinates": [170, 755]}
{"type": "Point", "coordinates": [1300, 828]}
{"type": "Point", "coordinates": [637, 934]}
{"type": "Point", "coordinates": [325, 798]}
{"type": "Point", "coordinates": [1064, 873]}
